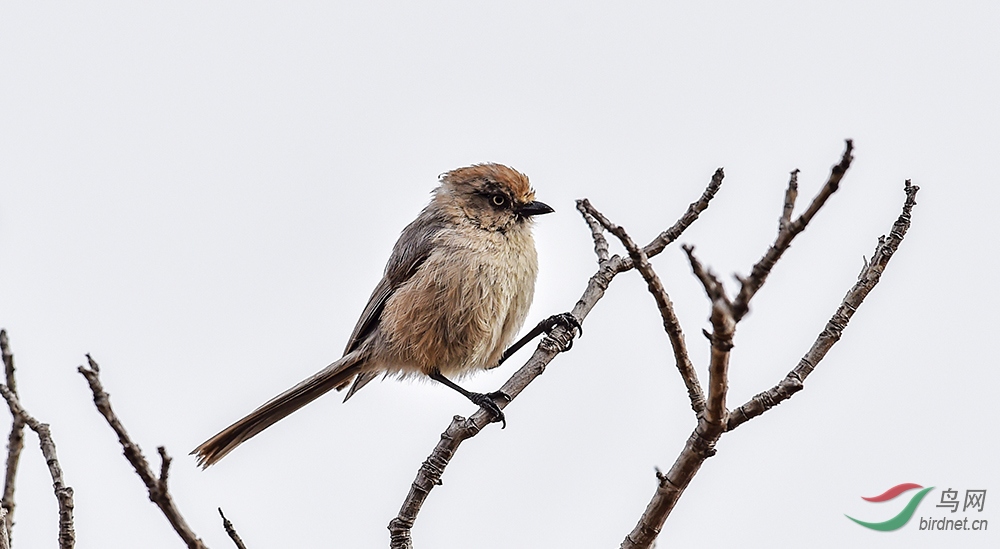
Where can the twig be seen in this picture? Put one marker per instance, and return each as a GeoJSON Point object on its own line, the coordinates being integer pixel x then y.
{"type": "Point", "coordinates": [723, 328]}
{"type": "Point", "coordinates": [460, 429]}
{"type": "Point", "coordinates": [15, 441]}
{"type": "Point", "coordinates": [869, 277]}
{"type": "Point", "coordinates": [701, 444]}
{"type": "Point", "coordinates": [64, 494]}
{"type": "Point", "coordinates": [788, 231]}
{"type": "Point", "coordinates": [790, 195]}
{"type": "Point", "coordinates": [157, 487]}
{"type": "Point", "coordinates": [4, 533]}
{"type": "Point", "coordinates": [231, 531]}
{"type": "Point", "coordinates": [668, 236]}
{"type": "Point", "coordinates": [596, 231]}
{"type": "Point", "coordinates": [671, 324]}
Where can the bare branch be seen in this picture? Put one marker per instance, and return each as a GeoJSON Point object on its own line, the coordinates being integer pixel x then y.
{"type": "Point", "coordinates": [713, 286]}
{"type": "Point", "coordinates": [600, 243]}
{"type": "Point", "coordinates": [231, 531]}
{"type": "Point", "coordinates": [668, 236]}
{"type": "Point", "coordinates": [157, 487]}
{"type": "Point", "coordinates": [4, 534]}
{"type": "Point", "coordinates": [460, 429]}
{"type": "Point", "coordinates": [15, 441]}
{"type": "Point", "coordinates": [788, 231]}
{"type": "Point", "coordinates": [671, 324]}
{"type": "Point", "coordinates": [869, 277]}
{"type": "Point", "coordinates": [725, 314]}
{"type": "Point", "coordinates": [64, 494]}
{"type": "Point", "coordinates": [790, 195]}
{"type": "Point", "coordinates": [669, 489]}
{"type": "Point", "coordinates": [723, 328]}
{"type": "Point", "coordinates": [165, 461]}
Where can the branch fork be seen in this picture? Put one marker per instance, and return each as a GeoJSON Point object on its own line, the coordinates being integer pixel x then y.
{"type": "Point", "coordinates": [713, 417]}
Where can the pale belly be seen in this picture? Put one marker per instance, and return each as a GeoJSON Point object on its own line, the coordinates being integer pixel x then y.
{"type": "Point", "coordinates": [459, 311]}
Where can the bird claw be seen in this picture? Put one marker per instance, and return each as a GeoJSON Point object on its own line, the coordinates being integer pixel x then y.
{"type": "Point", "coordinates": [569, 323]}
{"type": "Point", "coordinates": [486, 402]}
{"type": "Point", "coordinates": [499, 394]}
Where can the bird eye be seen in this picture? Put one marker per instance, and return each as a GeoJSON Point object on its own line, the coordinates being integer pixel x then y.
{"type": "Point", "coordinates": [499, 199]}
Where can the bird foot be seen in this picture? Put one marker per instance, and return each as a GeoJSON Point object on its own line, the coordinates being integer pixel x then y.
{"type": "Point", "coordinates": [568, 322]}
{"type": "Point", "coordinates": [487, 402]}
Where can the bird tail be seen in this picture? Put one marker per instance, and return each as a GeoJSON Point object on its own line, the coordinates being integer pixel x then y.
{"type": "Point", "coordinates": [334, 376]}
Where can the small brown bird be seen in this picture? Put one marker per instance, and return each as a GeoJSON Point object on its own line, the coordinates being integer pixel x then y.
{"type": "Point", "coordinates": [454, 294]}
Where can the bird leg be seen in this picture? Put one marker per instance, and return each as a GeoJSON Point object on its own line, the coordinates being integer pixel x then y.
{"type": "Point", "coordinates": [484, 401]}
{"type": "Point", "coordinates": [566, 320]}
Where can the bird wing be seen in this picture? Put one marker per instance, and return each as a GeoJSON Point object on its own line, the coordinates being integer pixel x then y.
{"type": "Point", "coordinates": [412, 249]}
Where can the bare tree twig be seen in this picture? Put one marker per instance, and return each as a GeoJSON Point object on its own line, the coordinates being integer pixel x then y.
{"type": "Point", "coordinates": [668, 236]}
{"type": "Point", "coordinates": [231, 530]}
{"type": "Point", "coordinates": [15, 441]}
{"type": "Point", "coordinates": [869, 277]}
{"type": "Point", "coordinates": [671, 324]}
{"type": "Point", "coordinates": [701, 444]}
{"type": "Point", "coordinates": [723, 328]}
{"type": "Point", "coordinates": [157, 487]}
{"type": "Point", "coordinates": [4, 533]}
{"type": "Point", "coordinates": [596, 231]}
{"type": "Point", "coordinates": [788, 231]}
{"type": "Point", "coordinates": [64, 494]}
{"type": "Point", "coordinates": [460, 429]}
{"type": "Point", "coordinates": [790, 195]}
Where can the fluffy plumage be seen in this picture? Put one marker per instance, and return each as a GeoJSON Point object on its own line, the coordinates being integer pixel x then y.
{"type": "Point", "coordinates": [454, 294]}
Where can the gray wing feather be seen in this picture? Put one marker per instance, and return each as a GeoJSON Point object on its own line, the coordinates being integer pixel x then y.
{"type": "Point", "coordinates": [411, 250]}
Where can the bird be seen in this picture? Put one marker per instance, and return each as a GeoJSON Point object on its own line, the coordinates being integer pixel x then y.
{"type": "Point", "coordinates": [454, 294]}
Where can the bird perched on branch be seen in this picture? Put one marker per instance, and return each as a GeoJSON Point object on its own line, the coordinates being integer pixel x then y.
{"type": "Point", "coordinates": [455, 292]}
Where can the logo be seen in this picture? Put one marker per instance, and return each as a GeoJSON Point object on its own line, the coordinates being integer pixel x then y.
{"type": "Point", "coordinates": [974, 499]}
{"type": "Point", "coordinates": [896, 522]}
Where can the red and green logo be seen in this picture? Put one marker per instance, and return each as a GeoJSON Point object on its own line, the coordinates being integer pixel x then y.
{"type": "Point", "coordinates": [896, 522]}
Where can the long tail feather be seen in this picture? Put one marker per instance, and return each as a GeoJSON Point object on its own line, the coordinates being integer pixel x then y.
{"type": "Point", "coordinates": [334, 376]}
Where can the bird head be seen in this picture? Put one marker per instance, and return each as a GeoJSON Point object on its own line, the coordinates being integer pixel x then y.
{"type": "Point", "coordinates": [492, 196]}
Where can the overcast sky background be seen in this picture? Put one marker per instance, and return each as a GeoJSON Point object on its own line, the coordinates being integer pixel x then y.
{"type": "Point", "coordinates": [203, 194]}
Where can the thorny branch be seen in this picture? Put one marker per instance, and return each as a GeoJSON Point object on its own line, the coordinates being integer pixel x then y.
{"type": "Point", "coordinates": [460, 429]}
{"type": "Point", "coordinates": [64, 494]}
{"type": "Point", "coordinates": [157, 486]}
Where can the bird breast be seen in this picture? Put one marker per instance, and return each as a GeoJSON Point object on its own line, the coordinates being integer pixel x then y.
{"type": "Point", "coordinates": [464, 305]}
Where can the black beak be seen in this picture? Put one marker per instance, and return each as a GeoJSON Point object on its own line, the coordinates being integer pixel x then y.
{"type": "Point", "coordinates": [534, 208]}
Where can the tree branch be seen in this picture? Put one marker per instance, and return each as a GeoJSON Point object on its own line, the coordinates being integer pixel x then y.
{"type": "Point", "coordinates": [723, 328]}
{"type": "Point", "coordinates": [790, 195]}
{"type": "Point", "coordinates": [15, 441]}
{"type": "Point", "coordinates": [671, 324]}
{"type": "Point", "coordinates": [460, 429]}
{"type": "Point", "coordinates": [668, 236]}
{"type": "Point", "coordinates": [64, 494]}
{"type": "Point", "coordinates": [725, 314]}
{"type": "Point", "coordinates": [231, 530]}
{"type": "Point", "coordinates": [4, 533]}
{"type": "Point", "coordinates": [788, 231]}
{"type": "Point", "coordinates": [596, 231]}
{"type": "Point", "coordinates": [157, 487]}
{"type": "Point", "coordinates": [869, 277]}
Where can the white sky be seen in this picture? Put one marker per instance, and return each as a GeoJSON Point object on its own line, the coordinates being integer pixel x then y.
{"type": "Point", "coordinates": [203, 194]}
